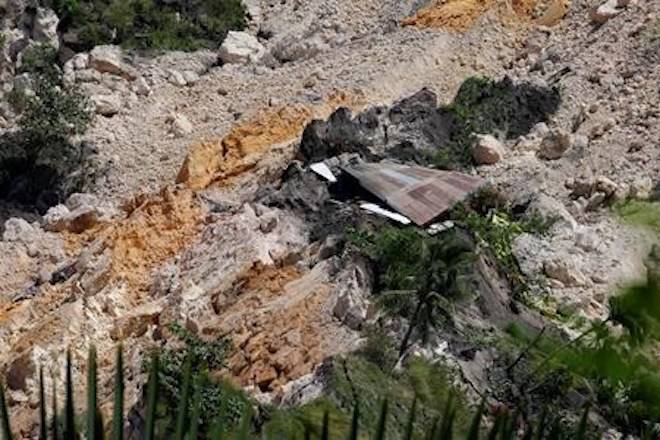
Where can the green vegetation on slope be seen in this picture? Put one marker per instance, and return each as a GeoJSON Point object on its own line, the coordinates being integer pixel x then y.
{"type": "Point", "coordinates": [40, 164]}
{"type": "Point", "coordinates": [148, 24]}
{"type": "Point", "coordinates": [501, 108]}
{"type": "Point", "coordinates": [640, 213]}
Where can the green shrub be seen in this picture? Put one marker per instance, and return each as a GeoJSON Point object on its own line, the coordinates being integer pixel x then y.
{"type": "Point", "coordinates": [41, 157]}
{"type": "Point", "coordinates": [150, 24]}
{"type": "Point", "coordinates": [205, 357]}
{"type": "Point", "coordinates": [485, 106]}
{"type": "Point", "coordinates": [418, 405]}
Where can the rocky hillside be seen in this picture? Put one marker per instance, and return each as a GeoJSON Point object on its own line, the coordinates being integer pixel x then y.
{"type": "Point", "coordinates": [200, 209]}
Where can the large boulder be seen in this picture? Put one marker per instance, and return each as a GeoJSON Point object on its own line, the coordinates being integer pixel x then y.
{"type": "Point", "coordinates": [487, 150]}
{"type": "Point", "coordinates": [241, 48]}
{"type": "Point", "coordinates": [607, 10]}
{"type": "Point", "coordinates": [555, 144]}
{"type": "Point", "coordinates": [45, 27]}
{"type": "Point", "coordinates": [109, 59]}
{"type": "Point", "coordinates": [106, 105]}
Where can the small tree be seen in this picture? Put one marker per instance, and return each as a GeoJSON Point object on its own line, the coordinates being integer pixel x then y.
{"type": "Point", "coordinates": [41, 155]}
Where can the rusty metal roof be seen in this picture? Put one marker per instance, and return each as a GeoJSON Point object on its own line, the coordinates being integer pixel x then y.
{"type": "Point", "coordinates": [419, 193]}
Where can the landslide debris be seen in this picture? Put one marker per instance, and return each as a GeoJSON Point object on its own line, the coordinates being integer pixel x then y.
{"type": "Point", "coordinates": [460, 15]}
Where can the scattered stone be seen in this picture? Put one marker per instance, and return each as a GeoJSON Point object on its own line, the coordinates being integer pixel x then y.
{"type": "Point", "coordinates": [606, 11]}
{"type": "Point", "coordinates": [109, 59]}
{"type": "Point", "coordinates": [80, 61]}
{"type": "Point", "coordinates": [106, 105]}
{"type": "Point", "coordinates": [180, 125]}
{"type": "Point", "coordinates": [142, 87]}
{"type": "Point", "coordinates": [190, 77]}
{"type": "Point", "coordinates": [241, 48]}
{"type": "Point", "coordinates": [56, 217]}
{"type": "Point", "coordinates": [176, 78]}
{"type": "Point", "coordinates": [565, 271]}
{"type": "Point", "coordinates": [596, 200]}
{"type": "Point", "coordinates": [641, 188]}
{"type": "Point", "coordinates": [487, 150]}
{"type": "Point", "coordinates": [555, 144]}
{"type": "Point", "coordinates": [18, 230]}
{"type": "Point", "coordinates": [606, 185]}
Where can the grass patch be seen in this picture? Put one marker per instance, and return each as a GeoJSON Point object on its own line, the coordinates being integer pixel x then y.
{"type": "Point", "coordinates": [640, 213]}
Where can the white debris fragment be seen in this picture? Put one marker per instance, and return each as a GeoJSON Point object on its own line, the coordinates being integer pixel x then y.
{"type": "Point", "coordinates": [385, 213]}
{"type": "Point", "coordinates": [322, 170]}
{"type": "Point", "coordinates": [437, 228]}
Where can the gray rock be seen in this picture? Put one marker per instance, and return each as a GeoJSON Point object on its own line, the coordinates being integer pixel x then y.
{"type": "Point", "coordinates": [180, 125]}
{"type": "Point", "coordinates": [606, 11]}
{"type": "Point", "coordinates": [19, 230]}
{"type": "Point", "coordinates": [176, 78]}
{"type": "Point", "coordinates": [45, 27]}
{"type": "Point", "coordinates": [564, 270]}
{"type": "Point", "coordinates": [354, 284]}
{"type": "Point", "coordinates": [55, 219]}
{"type": "Point", "coordinates": [641, 188]}
{"type": "Point", "coordinates": [606, 185]}
{"type": "Point", "coordinates": [487, 150]}
{"type": "Point", "coordinates": [554, 144]}
{"type": "Point", "coordinates": [190, 77]}
{"type": "Point", "coordinates": [106, 105]}
{"type": "Point", "coordinates": [241, 48]}
{"type": "Point", "coordinates": [142, 87]}
{"type": "Point", "coordinates": [110, 59]}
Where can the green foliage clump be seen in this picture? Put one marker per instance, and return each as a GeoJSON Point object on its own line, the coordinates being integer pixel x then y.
{"type": "Point", "coordinates": [379, 348]}
{"type": "Point", "coordinates": [490, 219]}
{"type": "Point", "coordinates": [41, 156]}
{"type": "Point", "coordinates": [150, 24]}
{"type": "Point", "coordinates": [217, 397]}
{"type": "Point", "coordinates": [423, 406]}
{"type": "Point", "coordinates": [485, 106]}
{"type": "Point", "coordinates": [410, 259]}
{"type": "Point", "coordinates": [616, 358]}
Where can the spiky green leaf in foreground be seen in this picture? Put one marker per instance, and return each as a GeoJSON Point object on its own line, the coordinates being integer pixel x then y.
{"type": "Point", "coordinates": [381, 427]}
{"type": "Point", "coordinates": [410, 424]}
{"type": "Point", "coordinates": [582, 427]}
{"type": "Point", "coordinates": [473, 434]}
{"type": "Point", "coordinates": [325, 430]}
{"type": "Point", "coordinates": [55, 423]}
{"type": "Point", "coordinates": [4, 416]}
{"type": "Point", "coordinates": [447, 426]}
{"type": "Point", "coordinates": [355, 422]}
{"type": "Point", "coordinates": [92, 405]}
{"type": "Point", "coordinates": [69, 412]}
{"type": "Point", "coordinates": [152, 399]}
{"type": "Point", "coordinates": [118, 410]}
{"type": "Point", "coordinates": [43, 422]}
{"type": "Point", "coordinates": [183, 403]}
{"type": "Point", "coordinates": [196, 415]}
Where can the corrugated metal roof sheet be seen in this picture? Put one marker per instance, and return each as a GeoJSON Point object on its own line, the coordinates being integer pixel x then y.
{"type": "Point", "coordinates": [419, 193]}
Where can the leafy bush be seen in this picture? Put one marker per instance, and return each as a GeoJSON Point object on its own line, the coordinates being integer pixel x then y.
{"type": "Point", "coordinates": [150, 24]}
{"type": "Point", "coordinates": [38, 164]}
{"type": "Point", "coordinates": [419, 405]}
{"type": "Point", "coordinates": [614, 360]}
{"type": "Point", "coordinates": [485, 106]}
{"type": "Point", "coordinates": [202, 358]}
{"type": "Point", "coordinates": [492, 222]}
